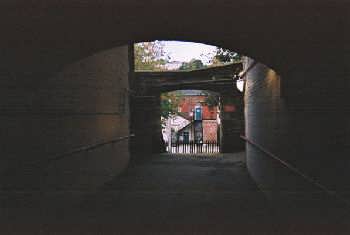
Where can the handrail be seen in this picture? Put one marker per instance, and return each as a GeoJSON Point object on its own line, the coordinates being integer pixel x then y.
{"type": "Point", "coordinates": [298, 172]}
{"type": "Point", "coordinates": [88, 147]}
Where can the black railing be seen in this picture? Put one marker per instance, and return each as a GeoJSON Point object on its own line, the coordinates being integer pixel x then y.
{"type": "Point", "coordinates": [193, 147]}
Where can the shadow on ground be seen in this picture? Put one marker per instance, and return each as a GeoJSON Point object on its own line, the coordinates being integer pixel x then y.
{"type": "Point", "coordinates": [170, 194]}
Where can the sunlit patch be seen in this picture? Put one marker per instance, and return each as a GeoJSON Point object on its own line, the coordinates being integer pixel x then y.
{"type": "Point", "coordinates": [179, 55]}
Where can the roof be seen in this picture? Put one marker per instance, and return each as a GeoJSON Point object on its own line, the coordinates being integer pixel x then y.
{"type": "Point", "coordinates": [185, 127]}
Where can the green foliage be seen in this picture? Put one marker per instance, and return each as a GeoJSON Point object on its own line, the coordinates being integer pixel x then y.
{"type": "Point", "coordinates": [192, 65]}
{"type": "Point", "coordinates": [150, 56]}
{"type": "Point", "coordinates": [223, 56]}
{"type": "Point", "coordinates": [169, 103]}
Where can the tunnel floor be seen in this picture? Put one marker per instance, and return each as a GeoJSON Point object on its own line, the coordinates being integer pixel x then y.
{"type": "Point", "coordinates": [173, 194]}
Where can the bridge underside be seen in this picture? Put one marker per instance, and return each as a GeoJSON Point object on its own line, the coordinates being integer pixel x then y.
{"type": "Point", "coordinates": [145, 99]}
{"type": "Point", "coordinates": [212, 78]}
{"type": "Point", "coordinates": [66, 81]}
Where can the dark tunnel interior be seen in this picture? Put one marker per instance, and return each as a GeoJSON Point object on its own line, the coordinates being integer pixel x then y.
{"type": "Point", "coordinates": [81, 132]}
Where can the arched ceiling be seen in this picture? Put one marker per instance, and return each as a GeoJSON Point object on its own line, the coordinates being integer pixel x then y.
{"type": "Point", "coordinates": [285, 35]}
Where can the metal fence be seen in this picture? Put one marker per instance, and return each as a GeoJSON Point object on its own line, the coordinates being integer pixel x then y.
{"type": "Point", "coordinates": [193, 147]}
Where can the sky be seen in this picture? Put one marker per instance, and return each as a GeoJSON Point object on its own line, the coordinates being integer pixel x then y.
{"type": "Point", "coordinates": [185, 51]}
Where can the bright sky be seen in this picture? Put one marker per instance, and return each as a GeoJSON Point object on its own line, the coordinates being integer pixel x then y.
{"type": "Point", "coordinates": [185, 51]}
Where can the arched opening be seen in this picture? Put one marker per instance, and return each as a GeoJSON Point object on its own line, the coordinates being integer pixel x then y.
{"type": "Point", "coordinates": [93, 118]}
{"type": "Point", "coordinates": [207, 68]}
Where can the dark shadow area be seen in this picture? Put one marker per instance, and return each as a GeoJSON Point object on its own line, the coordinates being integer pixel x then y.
{"type": "Point", "coordinates": [80, 129]}
{"type": "Point", "coordinates": [177, 194]}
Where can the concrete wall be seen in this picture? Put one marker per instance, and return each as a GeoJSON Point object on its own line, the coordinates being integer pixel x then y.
{"type": "Point", "coordinates": [302, 120]}
{"type": "Point", "coordinates": [84, 104]}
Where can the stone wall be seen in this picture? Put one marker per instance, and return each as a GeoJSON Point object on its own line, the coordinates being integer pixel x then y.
{"type": "Point", "coordinates": [46, 123]}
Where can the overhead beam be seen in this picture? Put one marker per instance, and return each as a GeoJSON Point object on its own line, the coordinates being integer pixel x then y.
{"type": "Point", "coordinates": [202, 78]}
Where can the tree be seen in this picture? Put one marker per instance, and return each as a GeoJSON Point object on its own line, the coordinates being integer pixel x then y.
{"type": "Point", "coordinates": [222, 56]}
{"type": "Point", "coordinates": [192, 65]}
{"type": "Point", "coordinates": [150, 56]}
{"type": "Point", "coordinates": [169, 103]}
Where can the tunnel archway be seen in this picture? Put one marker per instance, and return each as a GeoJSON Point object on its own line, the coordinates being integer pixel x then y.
{"type": "Point", "coordinates": [76, 38]}
{"type": "Point", "coordinates": [216, 77]}
{"type": "Point", "coordinates": [54, 59]}
{"type": "Point", "coordinates": [282, 92]}
{"type": "Point", "coordinates": [106, 54]}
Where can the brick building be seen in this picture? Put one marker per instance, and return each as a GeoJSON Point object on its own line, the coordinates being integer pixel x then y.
{"type": "Point", "coordinates": [205, 129]}
{"type": "Point", "coordinates": [188, 102]}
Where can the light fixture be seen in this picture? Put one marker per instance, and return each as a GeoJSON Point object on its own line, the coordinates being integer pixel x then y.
{"type": "Point", "coordinates": [240, 84]}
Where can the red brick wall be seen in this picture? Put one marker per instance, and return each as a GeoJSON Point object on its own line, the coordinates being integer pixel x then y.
{"type": "Point", "coordinates": [189, 102]}
{"type": "Point", "coordinates": [210, 130]}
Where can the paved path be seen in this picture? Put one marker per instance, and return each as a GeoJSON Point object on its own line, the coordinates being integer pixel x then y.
{"type": "Point", "coordinates": [171, 194]}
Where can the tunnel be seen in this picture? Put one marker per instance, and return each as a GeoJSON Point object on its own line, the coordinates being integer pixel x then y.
{"type": "Point", "coordinates": [68, 82]}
